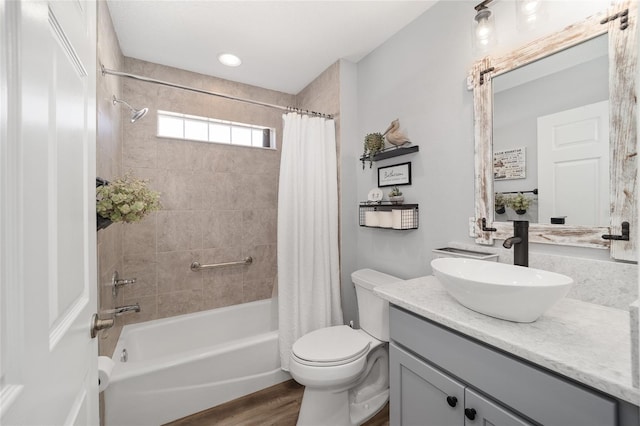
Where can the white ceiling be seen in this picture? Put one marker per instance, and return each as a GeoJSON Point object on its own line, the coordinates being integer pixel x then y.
{"type": "Point", "coordinates": [284, 45]}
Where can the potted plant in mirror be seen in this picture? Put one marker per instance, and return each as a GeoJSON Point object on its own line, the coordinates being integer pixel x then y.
{"type": "Point", "coordinates": [125, 199]}
{"type": "Point", "coordinates": [499, 202]}
{"type": "Point", "coordinates": [373, 143]}
{"type": "Point", "coordinates": [395, 196]}
{"type": "Point", "coordinates": [520, 203]}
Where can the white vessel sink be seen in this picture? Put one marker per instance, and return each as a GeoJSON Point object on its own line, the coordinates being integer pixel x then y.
{"type": "Point", "coordinates": [509, 292]}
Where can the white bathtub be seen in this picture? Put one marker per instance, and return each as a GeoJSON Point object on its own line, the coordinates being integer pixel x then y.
{"type": "Point", "coordinates": [181, 365]}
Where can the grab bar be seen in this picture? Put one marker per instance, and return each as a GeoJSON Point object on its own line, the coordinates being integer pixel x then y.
{"type": "Point", "coordinates": [196, 266]}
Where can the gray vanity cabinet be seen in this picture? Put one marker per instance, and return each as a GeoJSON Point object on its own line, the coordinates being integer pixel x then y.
{"type": "Point", "coordinates": [429, 362]}
{"type": "Point", "coordinates": [423, 395]}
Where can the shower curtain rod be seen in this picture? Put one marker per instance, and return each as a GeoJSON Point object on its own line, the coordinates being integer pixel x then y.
{"type": "Point", "coordinates": [206, 92]}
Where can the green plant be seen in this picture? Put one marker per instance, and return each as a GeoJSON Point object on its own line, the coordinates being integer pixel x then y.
{"type": "Point", "coordinates": [395, 192]}
{"type": "Point", "coordinates": [499, 202]}
{"type": "Point", "coordinates": [373, 143]}
{"type": "Point", "coordinates": [126, 199]}
{"type": "Point", "coordinates": [519, 202]}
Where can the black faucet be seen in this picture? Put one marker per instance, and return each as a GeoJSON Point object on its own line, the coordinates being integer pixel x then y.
{"type": "Point", "coordinates": [521, 240]}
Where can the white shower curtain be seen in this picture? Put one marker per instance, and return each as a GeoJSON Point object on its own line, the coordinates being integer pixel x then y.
{"type": "Point", "coordinates": [308, 264]}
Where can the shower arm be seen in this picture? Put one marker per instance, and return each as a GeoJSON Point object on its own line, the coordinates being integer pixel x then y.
{"type": "Point", "coordinates": [116, 100]}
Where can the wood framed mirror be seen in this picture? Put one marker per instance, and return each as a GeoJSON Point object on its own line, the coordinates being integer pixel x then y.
{"type": "Point", "coordinates": [618, 25]}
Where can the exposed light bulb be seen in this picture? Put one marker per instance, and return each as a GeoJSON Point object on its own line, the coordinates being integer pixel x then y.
{"type": "Point", "coordinates": [484, 27]}
{"type": "Point", "coordinates": [530, 6]}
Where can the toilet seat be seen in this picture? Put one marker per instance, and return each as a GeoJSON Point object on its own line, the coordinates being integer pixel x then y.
{"type": "Point", "coordinates": [331, 346]}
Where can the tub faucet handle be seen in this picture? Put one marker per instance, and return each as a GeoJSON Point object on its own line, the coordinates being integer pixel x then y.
{"type": "Point", "coordinates": [117, 282]}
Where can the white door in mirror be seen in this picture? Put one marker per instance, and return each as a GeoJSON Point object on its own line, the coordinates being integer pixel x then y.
{"type": "Point", "coordinates": [573, 152]}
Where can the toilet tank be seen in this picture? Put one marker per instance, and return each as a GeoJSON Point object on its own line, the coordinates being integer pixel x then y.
{"type": "Point", "coordinates": [373, 311]}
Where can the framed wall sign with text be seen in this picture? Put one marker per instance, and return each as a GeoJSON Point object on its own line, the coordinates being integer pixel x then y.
{"type": "Point", "coordinates": [398, 174]}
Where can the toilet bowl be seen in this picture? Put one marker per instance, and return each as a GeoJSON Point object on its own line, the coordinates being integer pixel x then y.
{"type": "Point", "coordinates": [345, 371]}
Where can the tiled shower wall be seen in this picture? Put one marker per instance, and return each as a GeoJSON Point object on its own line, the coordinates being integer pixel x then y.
{"type": "Point", "coordinates": [219, 201]}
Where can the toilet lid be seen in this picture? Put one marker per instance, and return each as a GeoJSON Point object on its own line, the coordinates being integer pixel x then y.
{"type": "Point", "coordinates": [339, 344]}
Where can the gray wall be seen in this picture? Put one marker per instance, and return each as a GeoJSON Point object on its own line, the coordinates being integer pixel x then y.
{"type": "Point", "coordinates": [419, 76]}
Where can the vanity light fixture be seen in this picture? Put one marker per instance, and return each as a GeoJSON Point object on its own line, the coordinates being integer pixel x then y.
{"type": "Point", "coordinates": [484, 28]}
{"type": "Point", "coordinates": [229, 59]}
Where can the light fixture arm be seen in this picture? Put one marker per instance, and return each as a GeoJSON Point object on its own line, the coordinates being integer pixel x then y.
{"type": "Point", "coordinates": [482, 5]}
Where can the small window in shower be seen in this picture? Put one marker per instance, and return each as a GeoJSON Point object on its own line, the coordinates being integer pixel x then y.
{"type": "Point", "coordinates": [190, 127]}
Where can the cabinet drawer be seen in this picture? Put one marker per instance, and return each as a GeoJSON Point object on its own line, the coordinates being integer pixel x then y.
{"type": "Point", "coordinates": [536, 393]}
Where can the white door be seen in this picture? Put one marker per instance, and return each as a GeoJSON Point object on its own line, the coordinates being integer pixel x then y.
{"type": "Point", "coordinates": [573, 165]}
{"type": "Point", "coordinates": [48, 363]}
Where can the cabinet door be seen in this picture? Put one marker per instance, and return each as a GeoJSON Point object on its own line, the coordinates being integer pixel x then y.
{"type": "Point", "coordinates": [482, 411]}
{"type": "Point", "coordinates": [422, 395]}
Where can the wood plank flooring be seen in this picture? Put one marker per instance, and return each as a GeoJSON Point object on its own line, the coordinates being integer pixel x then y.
{"type": "Point", "coordinates": [276, 405]}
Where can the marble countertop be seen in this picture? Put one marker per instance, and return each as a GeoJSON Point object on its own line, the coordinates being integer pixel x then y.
{"type": "Point", "coordinates": [585, 342]}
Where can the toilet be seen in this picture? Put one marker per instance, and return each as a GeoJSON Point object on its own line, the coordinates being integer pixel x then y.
{"type": "Point", "coordinates": [345, 371]}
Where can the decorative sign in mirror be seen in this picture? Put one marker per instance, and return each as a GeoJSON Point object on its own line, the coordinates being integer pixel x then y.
{"type": "Point", "coordinates": [556, 136]}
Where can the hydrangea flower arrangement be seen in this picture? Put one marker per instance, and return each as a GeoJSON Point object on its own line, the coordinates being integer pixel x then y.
{"type": "Point", "coordinates": [126, 199]}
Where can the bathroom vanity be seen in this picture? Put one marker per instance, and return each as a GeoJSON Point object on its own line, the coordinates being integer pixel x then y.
{"type": "Point", "coordinates": [450, 365]}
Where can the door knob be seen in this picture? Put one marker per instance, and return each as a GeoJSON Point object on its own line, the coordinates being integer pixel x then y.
{"type": "Point", "coordinates": [98, 324]}
{"type": "Point", "coordinates": [452, 401]}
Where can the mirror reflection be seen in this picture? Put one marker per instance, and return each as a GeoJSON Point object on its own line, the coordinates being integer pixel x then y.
{"type": "Point", "coordinates": [551, 138]}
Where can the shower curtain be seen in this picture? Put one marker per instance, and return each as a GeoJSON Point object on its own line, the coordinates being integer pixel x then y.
{"type": "Point", "coordinates": [308, 264]}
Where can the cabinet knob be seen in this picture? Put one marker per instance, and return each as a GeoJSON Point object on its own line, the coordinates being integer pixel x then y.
{"type": "Point", "coordinates": [452, 401]}
{"type": "Point", "coordinates": [470, 413]}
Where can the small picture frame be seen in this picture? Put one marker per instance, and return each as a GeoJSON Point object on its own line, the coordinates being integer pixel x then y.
{"type": "Point", "coordinates": [398, 174]}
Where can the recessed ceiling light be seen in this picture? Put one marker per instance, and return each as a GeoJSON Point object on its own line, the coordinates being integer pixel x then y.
{"type": "Point", "coordinates": [229, 59]}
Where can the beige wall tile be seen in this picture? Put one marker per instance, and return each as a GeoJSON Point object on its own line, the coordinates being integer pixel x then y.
{"type": "Point", "coordinates": [179, 230]}
{"type": "Point", "coordinates": [139, 151]}
{"type": "Point", "coordinates": [259, 227]}
{"type": "Point", "coordinates": [222, 229]}
{"type": "Point", "coordinates": [142, 267]}
{"type": "Point", "coordinates": [177, 189]}
{"type": "Point", "coordinates": [264, 264]}
{"type": "Point", "coordinates": [222, 294]}
{"type": "Point", "coordinates": [179, 303]}
{"type": "Point", "coordinates": [257, 290]}
{"type": "Point", "coordinates": [107, 340]}
{"type": "Point", "coordinates": [174, 271]}
{"type": "Point", "coordinates": [140, 237]}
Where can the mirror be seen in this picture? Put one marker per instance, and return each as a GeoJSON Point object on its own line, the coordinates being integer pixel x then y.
{"type": "Point", "coordinates": [511, 112]}
{"type": "Point", "coordinates": [556, 141]}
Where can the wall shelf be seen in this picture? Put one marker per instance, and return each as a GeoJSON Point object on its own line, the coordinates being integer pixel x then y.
{"type": "Point", "coordinates": [387, 215]}
{"type": "Point", "coordinates": [392, 152]}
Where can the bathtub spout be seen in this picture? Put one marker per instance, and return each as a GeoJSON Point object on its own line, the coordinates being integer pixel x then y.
{"type": "Point", "coordinates": [119, 310]}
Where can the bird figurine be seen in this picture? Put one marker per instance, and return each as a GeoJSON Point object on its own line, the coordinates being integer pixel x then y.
{"type": "Point", "coordinates": [394, 135]}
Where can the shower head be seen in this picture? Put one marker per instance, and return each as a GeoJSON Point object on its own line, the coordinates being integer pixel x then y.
{"type": "Point", "coordinates": [136, 114]}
